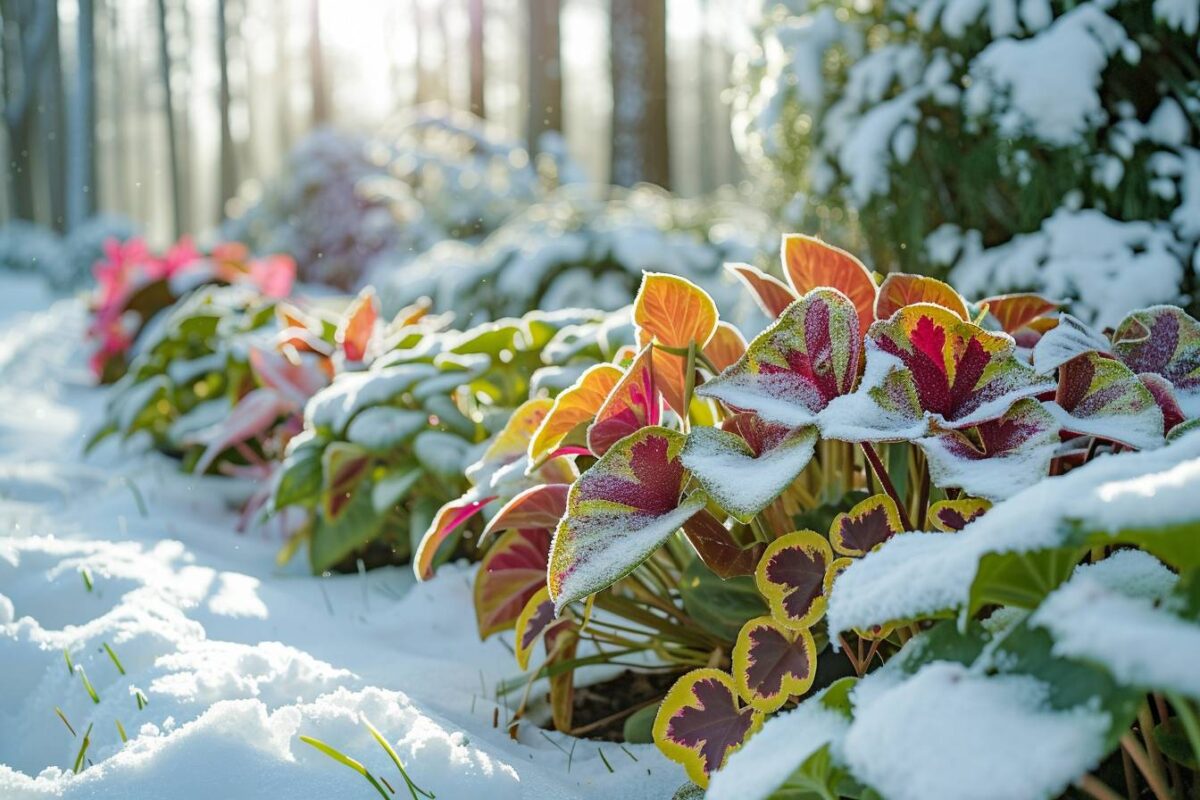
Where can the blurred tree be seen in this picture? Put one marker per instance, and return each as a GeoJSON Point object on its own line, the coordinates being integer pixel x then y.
{"type": "Point", "coordinates": [51, 130]}
{"type": "Point", "coordinates": [228, 182]}
{"type": "Point", "coordinates": [81, 163]}
{"type": "Point", "coordinates": [164, 55]}
{"type": "Point", "coordinates": [638, 60]}
{"type": "Point", "coordinates": [478, 64]}
{"type": "Point", "coordinates": [544, 76]}
{"type": "Point", "coordinates": [27, 29]}
{"type": "Point", "coordinates": [316, 60]}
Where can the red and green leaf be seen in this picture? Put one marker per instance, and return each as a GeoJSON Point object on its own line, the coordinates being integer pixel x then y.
{"type": "Point", "coordinates": [449, 518]}
{"type": "Point", "coordinates": [997, 458]}
{"type": "Point", "coordinates": [502, 469]}
{"type": "Point", "coordinates": [864, 527]}
{"type": "Point", "coordinates": [512, 571]}
{"type": "Point", "coordinates": [794, 368]}
{"type": "Point", "coordinates": [900, 289]}
{"type": "Point", "coordinates": [536, 508]}
{"type": "Point", "coordinates": [772, 663]}
{"type": "Point", "coordinates": [619, 512]}
{"type": "Point", "coordinates": [354, 333]}
{"type": "Point", "coordinates": [535, 622]}
{"type": "Point", "coordinates": [771, 294]}
{"type": "Point", "coordinates": [1016, 311]}
{"type": "Point", "coordinates": [717, 548]}
{"type": "Point", "coordinates": [1100, 396]}
{"type": "Point", "coordinates": [747, 463]}
{"type": "Point", "coordinates": [633, 403]}
{"type": "Point", "coordinates": [811, 264]}
{"type": "Point", "coordinates": [791, 576]}
{"type": "Point", "coordinates": [954, 515]}
{"type": "Point", "coordinates": [343, 466]}
{"type": "Point", "coordinates": [572, 410]}
{"type": "Point", "coordinates": [1164, 395]}
{"type": "Point", "coordinates": [701, 721]}
{"type": "Point", "coordinates": [253, 416]}
{"type": "Point", "coordinates": [674, 312]}
{"type": "Point", "coordinates": [1166, 341]}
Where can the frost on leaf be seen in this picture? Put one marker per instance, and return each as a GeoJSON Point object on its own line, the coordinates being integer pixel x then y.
{"type": "Point", "coordinates": [772, 663]}
{"type": "Point", "coordinates": [512, 571]}
{"type": "Point", "coordinates": [954, 515]}
{"type": "Point", "coordinates": [701, 721]}
{"type": "Point", "coordinates": [812, 264]}
{"type": "Point", "coordinates": [747, 463]}
{"type": "Point", "coordinates": [791, 576]}
{"type": "Point", "coordinates": [792, 370]}
{"type": "Point", "coordinates": [1066, 340]}
{"type": "Point", "coordinates": [866, 526]}
{"type": "Point", "coordinates": [1100, 396]}
{"type": "Point", "coordinates": [573, 408]}
{"type": "Point", "coordinates": [633, 403]}
{"type": "Point", "coordinates": [899, 290]}
{"type": "Point", "coordinates": [1164, 394]}
{"type": "Point", "coordinates": [1166, 341]}
{"type": "Point", "coordinates": [537, 621]}
{"type": "Point", "coordinates": [618, 513]}
{"type": "Point", "coordinates": [997, 458]}
{"type": "Point", "coordinates": [677, 313]}
{"type": "Point", "coordinates": [448, 519]}
{"type": "Point", "coordinates": [536, 508]}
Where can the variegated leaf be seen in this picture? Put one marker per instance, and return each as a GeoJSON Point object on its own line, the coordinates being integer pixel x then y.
{"type": "Point", "coordinates": [1100, 396]}
{"type": "Point", "coordinates": [791, 576]}
{"type": "Point", "coordinates": [772, 663]}
{"type": "Point", "coordinates": [864, 527]}
{"type": "Point", "coordinates": [512, 571]}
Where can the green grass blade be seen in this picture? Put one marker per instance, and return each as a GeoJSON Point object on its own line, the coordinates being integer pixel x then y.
{"type": "Point", "coordinates": [91, 690]}
{"type": "Point", "coordinates": [86, 574]}
{"type": "Point", "coordinates": [66, 722]}
{"type": "Point", "coordinates": [70, 663]}
{"type": "Point", "coordinates": [114, 658]}
{"type": "Point", "coordinates": [83, 748]}
{"type": "Point", "coordinates": [142, 702]}
{"type": "Point", "coordinates": [121, 730]}
{"type": "Point", "coordinates": [413, 789]}
{"type": "Point", "coordinates": [346, 760]}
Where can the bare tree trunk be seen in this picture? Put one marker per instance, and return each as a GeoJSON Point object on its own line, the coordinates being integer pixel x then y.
{"type": "Point", "coordinates": [478, 61]}
{"type": "Point", "coordinates": [81, 163]}
{"type": "Point", "coordinates": [228, 180]}
{"type": "Point", "coordinates": [283, 88]}
{"type": "Point", "coordinates": [164, 53]}
{"type": "Point", "coordinates": [25, 45]}
{"type": "Point", "coordinates": [316, 58]}
{"type": "Point", "coordinates": [52, 130]}
{"type": "Point", "coordinates": [638, 56]}
{"type": "Point", "coordinates": [544, 78]}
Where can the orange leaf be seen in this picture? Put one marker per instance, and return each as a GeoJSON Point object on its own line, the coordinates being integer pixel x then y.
{"type": "Point", "coordinates": [354, 332]}
{"type": "Point", "coordinates": [725, 347]}
{"type": "Point", "coordinates": [1015, 311]}
{"type": "Point", "coordinates": [899, 290]}
{"type": "Point", "coordinates": [675, 312]}
{"type": "Point", "coordinates": [771, 294]}
{"type": "Point", "coordinates": [810, 263]}
{"type": "Point", "coordinates": [573, 407]}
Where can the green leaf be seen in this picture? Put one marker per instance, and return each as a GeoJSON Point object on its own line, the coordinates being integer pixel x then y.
{"type": "Point", "coordinates": [639, 726]}
{"type": "Point", "coordinates": [357, 524]}
{"type": "Point", "coordinates": [718, 606]}
{"type": "Point", "coordinates": [1173, 741]}
{"type": "Point", "coordinates": [1021, 579]}
{"type": "Point", "coordinates": [299, 480]}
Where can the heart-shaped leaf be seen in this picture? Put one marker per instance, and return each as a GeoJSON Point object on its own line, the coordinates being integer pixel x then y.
{"type": "Point", "coordinates": [899, 290]}
{"type": "Point", "coordinates": [810, 264]}
{"type": "Point", "coordinates": [701, 721]}
{"type": "Point", "coordinates": [618, 513]}
{"type": "Point", "coordinates": [574, 407]}
{"type": "Point", "coordinates": [677, 313]}
{"type": "Point", "coordinates": [633, 403]}
{"type": "Point", "coordinates": [997, 458]}
{"type": "Point", "coordinates": [865, 526]}
{"type": "Point", "coordinates": [1016, 311]}
{"type": "Point", "coordinates": [536, 508]}
{"type": "Point", "coordinates": [354, 332]}
{"type": "Point", "coordinates": [717, 548]}
{"type": "Point", "coordinates": [772, 663]}
{"type": "Point", "coordinates": [1166, 341]}
{"type": "Point", "coordinates": [747, 463]}
{"type": "Point", "coordinates": [792, 370]}
{"type": "Point", "coordinates": [954, 515]}
{"type": "Point", "coordinates": [1100, 396]}
{"type": "Point", "coordinates": [791, 576]}
{"type": "Point", "coordinates": [512, 571]}
{"type": "Point", "coordinates": [725, 347]}
{"type": "Point", "coordinates": [771, 294]}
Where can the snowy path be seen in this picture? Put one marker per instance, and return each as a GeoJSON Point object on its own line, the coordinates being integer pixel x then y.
{"type": "Point", "coordinates": [236, 657]}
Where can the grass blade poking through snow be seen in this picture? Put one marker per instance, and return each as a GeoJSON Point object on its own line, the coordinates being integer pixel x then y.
{"type": "Point", "coordinates": [91, 690]}
{"type": "Point", "coordinates": [342, 758]}
{"type": "Point", "coordinates": [142, 702]}
{"type": "Point", "coordinates": [121, 730]}
{"type": "Point", "coordinates": [86, 574]}
{"type": "Point", "coordinates": [114, 658]}
{"type": "Point", "coordinates": [66, 722]}
{"type": "Point", "coordinates": [70, 663]}
{"type": "Point", "coordinates": [83, 747]}
{"type": "Point", "coordinates": [413, 789]}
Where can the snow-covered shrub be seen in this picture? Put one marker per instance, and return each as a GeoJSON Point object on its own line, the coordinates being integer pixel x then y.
{"type": "Point", "coordinates": [1030, 145]}
{"type": "Point", "coordinates": [345, 200]}
{"type": "Point", "coordinates": [83, 247]}
{"type": "Point", "coordinates": [65, 262]}
{"type": "Point", "coordinates": [582, 247]}
{"type": "Point", "coordinates": [27, 247]}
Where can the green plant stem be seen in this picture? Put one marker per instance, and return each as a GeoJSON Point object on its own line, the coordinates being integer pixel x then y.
{"type": "Point", "coordinates": [1097, 788]}
{"type": "Point", "coordinates": [1131, 784]}
{"type": "Point", "coordinates": [689, 385]}
{"type": "Point", "coordinates": [886, 482]}
{"type": "Point", "coordinates": [1146, 724]}
{"type": "Point", "coordinates": [923, 492]}
{"type": "Point", "coordinates": [1146, 767]}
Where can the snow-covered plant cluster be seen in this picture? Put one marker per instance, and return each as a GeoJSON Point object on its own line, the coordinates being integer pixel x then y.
{"type": "Point", "coordinates": [1034, 145]}
{"type": "Point", "coordinates": [773, 520]}
{"type": "Point", "coordinates": [64, 261]}
{"type": "Point", "coordinates": [343, 201]}
{"type": "Point", "coordinates": [583, 248]}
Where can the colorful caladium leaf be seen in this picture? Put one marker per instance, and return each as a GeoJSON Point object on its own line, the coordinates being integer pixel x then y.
{"type": "Point", "coordinates": [449, 518]}
{"type": "Point", "coordinates": [794, 368]}
{"type": "Point", "coordinates": [810, 264]}
{"type": "Point", "coordinates": [354, 332]}
{"type": "Point", "coordinates": [864, 527]}
{"type": "Point", "coordinates": [618, 513]}
{"type": "Point", "coordinates": [563, 431]}
{"type": "Point", "coordinates": [343, 467]}
{"type": "Point", "coordinates": [1164, 395]}
{"type": "Point", "coordinates": [1066, 340]}
{"type": "Point", "coordinates": [997, 458]}
{"type": "Point", "coordinates": [1166, 341]}
{"type": "Point", "coordinates": [791, 577]}
{"type": "Point", "coordinates": [715, 545]}
{"type": "Point", "coordinates": [771, 294]}
{"type": "Point", "coordinates": [253, 416]}
{"type": "Point", "coordinates": [899, 290]}
{"type": "Point", "coordinates": [1100, 396]}
{"type": "Point", "coordinates": [927, 368]}
{"type": "Point", "coordinates": [725, 347]}
{"type": "Point", "coordinates": [747, 463]}
{"type": "Point", "coordinates": [633, 403]}
{"type": "Point", "coordinates": [512, 571]}
{"type": "Point", "coordinates": [536, 508]}
{"type": "Point", "coordinates": [676, 313]}
{"type": "Point", "coordinates": [1016, 311]}
{"type": "Point", "coordinates": [772, 663]}
{"type": "Point", "coordinates": [954, 515]}
{"type": "Point", "coordinates": [701, 721]}
{"type": "Point", "coordinates": [537, 620]}
{"type": "Point", "coordinates": [502, 469]}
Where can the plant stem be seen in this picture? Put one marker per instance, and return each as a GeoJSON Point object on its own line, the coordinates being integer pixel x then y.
{"type": "Point", "coordinates": [886, 483]}
{"type": "Point", "coordinates": [1144, 765]}
{"type": "Point", "coordinates": [1146, 724]}
{"type": "Point", "coordinates": [1131, 784]}
{"type": "Point", "coordinates": [923, 493]}
{"type": "Point", "coordinates": [1097, 788]}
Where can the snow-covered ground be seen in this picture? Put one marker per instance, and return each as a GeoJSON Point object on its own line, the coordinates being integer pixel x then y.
{"type": "Point", "coordinates": [236, 657]}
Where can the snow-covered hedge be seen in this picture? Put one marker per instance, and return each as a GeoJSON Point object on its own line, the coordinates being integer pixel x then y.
{"type": "Point", "coordinates": [1018, 145]}
{"type": "Point", "coordinates": [64, 261]}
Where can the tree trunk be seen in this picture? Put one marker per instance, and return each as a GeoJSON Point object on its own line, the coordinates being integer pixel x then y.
{"type": "Point", "coordinates": [52, 130]}
{"type": "Point", "coordinates": [81, 163]}
{"type": "Point", "coordinates": [164, 53]}
{"type": "Point", "coordinates": [478, 62]}
{"type": "Point", "coordinates": [228, 180]}
{"type": "Point", "coordinates": [544, 110]}
{"type": "Point", "coordinates": [283, 87]}
{"type": "Point", "coordinates": [316, 58]}
{"type": "Point", "coordinates": [638, 58]}
{"type": "Point", "coordinates": [25, 44]}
